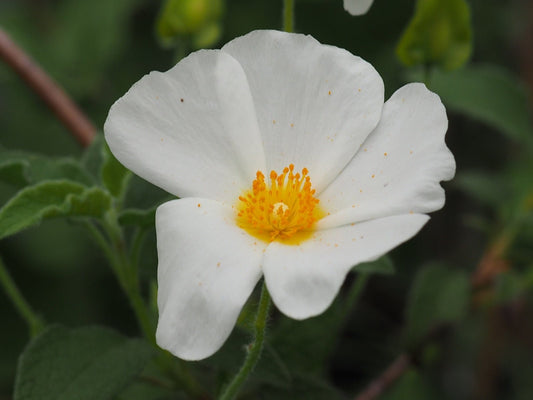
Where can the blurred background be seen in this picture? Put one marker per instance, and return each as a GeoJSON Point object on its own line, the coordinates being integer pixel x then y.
{"type": "Point", "coordinates": [97, 49]}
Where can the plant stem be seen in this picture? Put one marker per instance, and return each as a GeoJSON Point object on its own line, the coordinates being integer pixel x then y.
{"type": "Point", "coordinates": [35, 323]}
{"type": "Point", "coordinates": [125, 272]}
{"type": "Point", "coordinates": [288, 15]}
{"type": "Point", "coordinates": [254, 349]}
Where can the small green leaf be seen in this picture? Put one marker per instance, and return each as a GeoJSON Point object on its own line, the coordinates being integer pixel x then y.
{"type": "Point", "coordinates": [90, 363]}
{"type": "Point", "coordinates": [143, 219]}
{"type": "Point", "coordinates": [20, 169]}
{"type": "Point", "coordinates": [439, 295]}
{"type": "Point", "coordinates": [114, 175]}
{"type": "Point", "coordinates": [382, 265]}
{"type": "Point", "coordinates": [51, 199]}
{"type": "Point", "coordinates": [439, 33]}
{"type": "Point", "coordinates": [489, 94]}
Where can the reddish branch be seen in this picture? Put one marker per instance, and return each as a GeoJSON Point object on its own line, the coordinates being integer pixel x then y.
{"type": "Point", "coordinates": [394, 371]}
{"type": "Point", "coordinates": [69, 114]}
{"type": "Point", "coordinates": [489, 267]}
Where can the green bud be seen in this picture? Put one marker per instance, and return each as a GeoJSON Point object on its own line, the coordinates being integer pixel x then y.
{"type": "Point", "coordinates": [439, 33]}
{"type": "Point", "coordinates": [187, 17]}
{"type": "Point", "coordinates": [207, 36]}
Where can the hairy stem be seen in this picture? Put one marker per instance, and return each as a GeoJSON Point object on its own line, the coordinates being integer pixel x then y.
{"type": "Point", "coordinates": [254, 349]}
{"type": "Point", "coordinates": [35, 323]}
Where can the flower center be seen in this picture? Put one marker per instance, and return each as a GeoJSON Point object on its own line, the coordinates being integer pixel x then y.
{"type": "Point", "coordinates": [284, 208]}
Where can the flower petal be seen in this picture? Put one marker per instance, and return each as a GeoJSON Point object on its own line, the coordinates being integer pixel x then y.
{"type": "Point", "coordinates": [357, 7]}
{"type": "Point", "coordinates": [304, 279]}
{"type": "Point", "coordinates": [191, 130]}
{"type": "Point", "coordinates": [315, 104]}
{"type": "Point", "coordinates": [207, 269]}
{"type": "Point", "coordinates": [400, 165]}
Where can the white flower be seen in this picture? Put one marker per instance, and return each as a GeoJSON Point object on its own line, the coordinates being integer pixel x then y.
{"type": "Point", "coordinates": [220, 119]}
{"type": "Point", "coordinates": [357, 7]}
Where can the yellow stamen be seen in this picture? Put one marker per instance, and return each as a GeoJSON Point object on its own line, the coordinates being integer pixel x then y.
{"type": "Point", "coordinates": [284, 209]}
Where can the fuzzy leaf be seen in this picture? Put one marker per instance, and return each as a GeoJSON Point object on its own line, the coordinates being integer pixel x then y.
{"type": "Point", "coordinates": [20, 169]}
{"type": "Point", "coordinates": [51, 199]}
{"type": "Point", "coordinates": [141, 218]}
{"type": "Point", "coordinates": [90, 363]}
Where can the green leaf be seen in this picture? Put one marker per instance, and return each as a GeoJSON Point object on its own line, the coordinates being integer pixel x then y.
{"type": "Point", "coordinates": [487, 188]}
{"type": "Point", "coordinates": [143, 219]}
{"type": "Point", "coordinates": [489, 94]}
{"type": "Point", "coordinates": [382, 265]}
{"type": "Point", "coordinates": [90, 363]}
{"type": "Point", "coordinates": [439, 33]}
{"type": "Point", "coordinates": [51, 199]}
{"type": "Point", "coordinates": [20, 169]}
{"type": "Point", "coordinates": [115, 176]}
{"type": "Point", "coordinates": [307, 345]}
{"type": "Point", "coordinates": [439, 295]}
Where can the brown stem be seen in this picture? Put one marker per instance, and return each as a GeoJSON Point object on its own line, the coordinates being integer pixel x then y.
{"type": "Point", "coordinates": [394, 371]}
{"type": "Point", "coordinates": [69, 114]}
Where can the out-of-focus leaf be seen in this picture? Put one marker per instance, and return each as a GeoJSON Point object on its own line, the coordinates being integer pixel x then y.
{"type": "Point", "coordinates": [307, 345]}
{"type": "Point", "coordinates": [489, 94]}
{"type": "Point", "coordinates": [95, 31]}
{"type": "Point", "coordinates": [488, 189]}
{"type": "Point", "coordinates": [439, 295]}
{"type": "Point", "coordinates": [509, 286]}
{"type": "Point", "coordinates": [114, 175]}
{"type": "Point", "coordinates": [20, 169]}
{"type": "Point", "coordinates": [51, 199]}
{"type": "Point", "coordinates": [440, 33]}
{"type": "Point", "coordinates": [382, 265]}
{"type": "Point", "coordinates": [91, 363]}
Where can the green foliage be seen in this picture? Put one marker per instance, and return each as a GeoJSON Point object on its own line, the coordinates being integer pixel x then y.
{"type": "Point", "coordinates": [382, 266]}
{"type": "Point", "coordinates": [20, 169]}
{"type": "Point", "coordinates": [307, 345]}
{"type": "Point", "coordinates": [50, 199]}
{"type": "Point", "coordinates": [114, 175]}
{"type": "Point", "coordinates": [439, 295]}
{"type": "Point", "coordinates": [489, 189]}
{"type": "Point", "coordinates": [91, 363]}
{"type": "Point", "coordinates": [440, 34]}
{"type": "Point", "coordinates": [489, 94]}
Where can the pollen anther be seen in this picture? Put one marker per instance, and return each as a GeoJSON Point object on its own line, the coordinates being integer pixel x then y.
{"type": "Point", "coordinates": [280, 208]}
